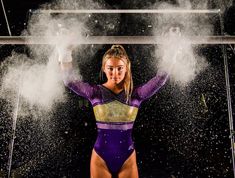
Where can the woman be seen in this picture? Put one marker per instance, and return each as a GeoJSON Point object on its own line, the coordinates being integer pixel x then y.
{"type": "Point", "coordinates": [115, 104]}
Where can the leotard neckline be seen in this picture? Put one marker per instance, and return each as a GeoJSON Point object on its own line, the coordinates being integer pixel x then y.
{"type": "Point", "coordinates": [116, 94]}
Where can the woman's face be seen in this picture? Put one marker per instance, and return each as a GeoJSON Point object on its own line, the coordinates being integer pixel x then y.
{"type": "Point", "coordinates": [115, 70]}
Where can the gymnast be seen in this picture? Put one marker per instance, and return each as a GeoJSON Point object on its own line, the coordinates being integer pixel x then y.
{"type": "Point", "coordinates": [115, 104]}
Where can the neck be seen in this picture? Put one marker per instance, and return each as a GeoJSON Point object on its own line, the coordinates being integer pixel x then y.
{"type": "Point", "coordinates": [114, 86]}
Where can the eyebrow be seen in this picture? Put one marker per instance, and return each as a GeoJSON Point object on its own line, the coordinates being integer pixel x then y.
{"type": "Point", "coordinates": [117, 66]}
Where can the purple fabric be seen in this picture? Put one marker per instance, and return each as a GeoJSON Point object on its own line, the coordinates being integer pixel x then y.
{"type": "Point", "coordinates": [114, 147]}
{"type": "Point", "coordinates": [98, 94]}
{"type": "Point", "coordinates": [145, 91]}
{"type": "Point", "coordinates": [114, 142]}
{"type": "Point", "coordinates": [115, 126]}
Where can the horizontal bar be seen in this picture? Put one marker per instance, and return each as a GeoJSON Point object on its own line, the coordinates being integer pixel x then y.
{"type": "Point", "coordinates": [118, 40]}
{"type": "Point", "coordinates": [129, 11]}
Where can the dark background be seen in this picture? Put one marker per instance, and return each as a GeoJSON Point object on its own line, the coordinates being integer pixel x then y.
{"type": "Point", "coordinates": [175, 134]}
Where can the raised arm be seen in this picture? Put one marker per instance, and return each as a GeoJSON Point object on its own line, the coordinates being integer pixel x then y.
{"type": "Point", "coordinates": [70, 77]}
{"type": "Point", "coordinates": [148, 89]}
{"type": "Point", "coordinates": [167, 63]}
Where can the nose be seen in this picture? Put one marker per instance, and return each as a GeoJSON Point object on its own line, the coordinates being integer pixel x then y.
{"type": "Point", "coordinates": [115, 71]}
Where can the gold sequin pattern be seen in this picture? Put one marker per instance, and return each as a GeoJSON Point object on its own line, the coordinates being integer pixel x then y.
{"type": "Point", "coordinates": [115, 111]}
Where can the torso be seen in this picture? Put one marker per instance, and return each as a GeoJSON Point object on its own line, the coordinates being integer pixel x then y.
{"type": "Point", "coordinates": [114, 119]}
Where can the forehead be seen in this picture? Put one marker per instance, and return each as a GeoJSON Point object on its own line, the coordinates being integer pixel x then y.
{"type": "Point", "coordinates": [113, 61]}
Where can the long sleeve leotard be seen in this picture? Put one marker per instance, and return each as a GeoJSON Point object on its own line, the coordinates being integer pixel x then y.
{"type": "Point", "coordinates": [114, 117]}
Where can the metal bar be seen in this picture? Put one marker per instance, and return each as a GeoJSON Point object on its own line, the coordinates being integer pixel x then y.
{"type": "Point", "coordinates": [130, 11]}
{"type": "Point", "coordinates": [117, 40]}
{"type": "Point", "coordinates": [228, 92]}
{"type": "Point", "coordinates": [5, 15]}
{"type": "Point", "coordinates": [14, 121]}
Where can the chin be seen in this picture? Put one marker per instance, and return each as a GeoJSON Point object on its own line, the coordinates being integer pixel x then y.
{"type": "Point", "coordinates": [116, 81]}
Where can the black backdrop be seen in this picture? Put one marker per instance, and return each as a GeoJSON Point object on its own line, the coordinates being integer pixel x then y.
{"type": "Point", "coordinates": [174, 134]}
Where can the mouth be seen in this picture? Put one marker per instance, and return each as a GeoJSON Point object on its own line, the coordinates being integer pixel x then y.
{"type": "Point", "coordinates": [115, 80]}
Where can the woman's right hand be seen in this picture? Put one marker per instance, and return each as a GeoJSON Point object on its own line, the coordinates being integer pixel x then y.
{"type": "Point", "coordinates": [64, 45]}
{"type": "Point", "coordinates": [64, 56]}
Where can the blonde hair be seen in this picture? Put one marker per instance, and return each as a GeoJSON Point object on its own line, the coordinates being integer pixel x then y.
{"type": "Point", "coordinates": [119, 52]}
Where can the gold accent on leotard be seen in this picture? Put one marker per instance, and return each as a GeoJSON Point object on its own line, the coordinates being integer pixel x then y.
{"type": "Point", "coordinates": [115, 111]}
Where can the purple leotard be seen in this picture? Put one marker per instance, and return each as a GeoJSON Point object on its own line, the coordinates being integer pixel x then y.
{"type": "Point", "coordinates": [114, 117]}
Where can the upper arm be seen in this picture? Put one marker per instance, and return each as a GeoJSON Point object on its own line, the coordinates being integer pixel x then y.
{"type": "Point", "coordinates": [72, 80]}
{"type": "Point", "coordinates": [148, 89]}
{"type": "Point", "coordinates": [81, 88]}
